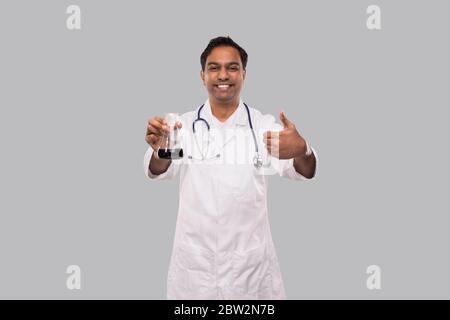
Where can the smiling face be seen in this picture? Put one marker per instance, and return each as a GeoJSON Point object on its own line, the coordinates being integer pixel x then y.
{"type": "Point", "coordinates": [224, 75]}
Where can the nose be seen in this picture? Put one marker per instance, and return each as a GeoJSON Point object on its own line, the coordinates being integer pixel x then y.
{"type": "Point", "coordinates": [223, 74]}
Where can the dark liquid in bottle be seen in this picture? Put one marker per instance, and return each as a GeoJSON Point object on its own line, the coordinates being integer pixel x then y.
{"type": "Point", "coordinates": [170, 153]}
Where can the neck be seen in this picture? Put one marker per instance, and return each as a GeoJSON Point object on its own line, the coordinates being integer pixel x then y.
{"type": "Point", "coordinates": [223, 111]}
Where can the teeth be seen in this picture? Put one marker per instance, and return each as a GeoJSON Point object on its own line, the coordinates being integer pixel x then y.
{"type": "Point", "coordinates": [223, 85]}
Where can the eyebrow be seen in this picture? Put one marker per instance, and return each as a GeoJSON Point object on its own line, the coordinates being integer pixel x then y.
{"type": "Point", "coordinates": [216, 63]}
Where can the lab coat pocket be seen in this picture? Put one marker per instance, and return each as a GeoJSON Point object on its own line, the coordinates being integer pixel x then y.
{"type": "Point", "coordinates": [248, 185]}
{"type": "Point", "coordinates": [192, 270]}
{"type": "Point", "coordinates": [250, 271]}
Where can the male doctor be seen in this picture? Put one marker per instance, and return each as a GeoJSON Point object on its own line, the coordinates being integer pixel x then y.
{"type": "Point", "coordinates": [223, 248]}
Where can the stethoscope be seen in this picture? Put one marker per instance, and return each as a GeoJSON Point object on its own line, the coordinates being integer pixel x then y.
{"type": "Point", "coordinates": [257, 159]}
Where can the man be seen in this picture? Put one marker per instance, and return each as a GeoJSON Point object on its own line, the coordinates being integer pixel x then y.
{"type": "Point", "coordinates": [223, 248]}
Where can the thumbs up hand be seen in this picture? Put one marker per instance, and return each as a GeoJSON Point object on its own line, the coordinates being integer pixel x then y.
{"type": "Point", "coordinates": [287, 143]}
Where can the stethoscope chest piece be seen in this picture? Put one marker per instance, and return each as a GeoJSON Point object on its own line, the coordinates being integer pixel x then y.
{"type": "Point", "coordinates": [257, 161]}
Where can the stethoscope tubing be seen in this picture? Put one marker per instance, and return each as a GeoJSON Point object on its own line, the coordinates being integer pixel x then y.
{"type": "Point", "coordinates": [199, 118]}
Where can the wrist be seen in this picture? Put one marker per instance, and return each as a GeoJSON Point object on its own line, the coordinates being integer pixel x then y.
{"type": "Point", "coordinates": [307, 152]}
{"type": "Point", "coordinates": [155, 153]}
{"type": "Point", "coordinates": [308, 149]}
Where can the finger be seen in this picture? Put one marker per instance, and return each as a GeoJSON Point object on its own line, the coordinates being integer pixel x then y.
{"type": "Point", "coordinates": [272, 135]}
{"type": "Point", "coordinates": [151, 139]}
{"type": "Point", "coordinates": [273, 143]}
{"type": "Point", "coordinates": [285, 121]}
{"type": "Point", "coordinates": [162, 128]}
{"type": "Point", "coordinates": [157, 119]}
{"type": "Point", "coordinates": [273, 149]}
{"type": "Point", "coordinates": [152, 130]}
{"type": "Point", "coordinates": [159, 131]}
{"type": "Point", "coordinates": [154, 139]}
{"type": "Point", "coordinates": [269, 142]}
{"type": "Point", "coordinates": [267, 135]}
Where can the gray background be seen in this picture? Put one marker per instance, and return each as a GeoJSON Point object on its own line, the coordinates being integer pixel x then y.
{"type": "Point", "coordinates": [73, 112]}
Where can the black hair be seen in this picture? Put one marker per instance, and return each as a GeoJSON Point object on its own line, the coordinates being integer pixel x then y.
{"type": "Point", "coordinates": [223, 42]}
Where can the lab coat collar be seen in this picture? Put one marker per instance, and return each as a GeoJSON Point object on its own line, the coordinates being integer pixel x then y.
{"type": "Point", "coordinates": [241, 115]}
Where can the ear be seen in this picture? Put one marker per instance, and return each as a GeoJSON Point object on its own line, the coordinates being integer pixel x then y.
{"type": "Point", "coordinates": [202, 76]}
{"type": "Point", "coordinates": [243, 75]}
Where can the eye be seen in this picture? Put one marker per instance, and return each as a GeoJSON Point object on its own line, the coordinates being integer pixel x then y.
{"type": "Point", "coordinates": [212, 68]}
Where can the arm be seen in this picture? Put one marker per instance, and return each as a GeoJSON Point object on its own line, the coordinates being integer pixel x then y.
{"type": "Point", "coordinates": [306, 165]}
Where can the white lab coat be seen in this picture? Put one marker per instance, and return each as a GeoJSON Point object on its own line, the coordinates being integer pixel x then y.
{"type": "Point", "coordinates": [223, 247]}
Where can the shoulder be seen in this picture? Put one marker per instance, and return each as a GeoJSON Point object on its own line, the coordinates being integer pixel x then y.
{"type": "Point", "coordinates": [188, 116]}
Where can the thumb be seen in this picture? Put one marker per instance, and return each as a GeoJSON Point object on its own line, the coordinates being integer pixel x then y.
{"type": "Point", "coordinates": [178, 125]}
{"type": "Point", "coordinates": [285, 121]}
